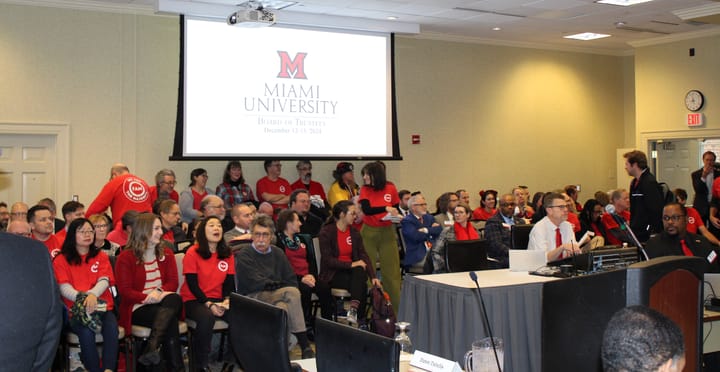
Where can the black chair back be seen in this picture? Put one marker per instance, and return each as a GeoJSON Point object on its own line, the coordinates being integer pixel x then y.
{"type": "Point", "coordinates": [259, 335]}
{"type": "Point", "coordinates": [466, 255]}
{"type": "Point", "coordinates": [348, 349]}
{"type": "Point", "coordinates": [520, 236]}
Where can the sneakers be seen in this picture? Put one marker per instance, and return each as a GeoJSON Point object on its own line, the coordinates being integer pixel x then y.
{"type": "Point", "coordinates": [352, 315]}
{"type": "Point", "coordinates": [308, 353]}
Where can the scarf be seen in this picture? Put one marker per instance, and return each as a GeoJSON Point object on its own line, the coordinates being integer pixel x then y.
{"type": "Point", "coordinates": [465, 233]}
{"type": "Point", "coordinates": [292, 244]}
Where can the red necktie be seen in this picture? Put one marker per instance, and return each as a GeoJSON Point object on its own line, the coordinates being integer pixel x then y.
{"type": "Point", "coordinates": [685, 248]}
{"type": "Point", "coordinates": [558, 241]}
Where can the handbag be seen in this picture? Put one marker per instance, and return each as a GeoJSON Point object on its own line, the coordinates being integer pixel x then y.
{"type": "Point", "coordinates": [383, 319]}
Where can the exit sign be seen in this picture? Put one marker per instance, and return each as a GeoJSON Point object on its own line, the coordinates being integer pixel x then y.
{"type": "Point", "coordinates": [695, 119]}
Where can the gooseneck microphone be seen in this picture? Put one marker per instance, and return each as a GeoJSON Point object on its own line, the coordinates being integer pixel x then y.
{"type": "Point", "coordinates": [610, 209]}
{"type": "Point", "coordinates": [474, 278]}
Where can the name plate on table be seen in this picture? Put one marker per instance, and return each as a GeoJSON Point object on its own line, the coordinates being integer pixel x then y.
{"type": "Point", "coordinates": [433, 363]}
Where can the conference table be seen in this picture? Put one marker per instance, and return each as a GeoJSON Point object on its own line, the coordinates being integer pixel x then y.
{"type": "Point", "coordinates": [446, 314]}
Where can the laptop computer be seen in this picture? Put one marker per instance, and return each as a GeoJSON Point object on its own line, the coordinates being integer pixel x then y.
{"type": "Point", "coordinates": [343, 348]}
{"type": "Point", "coordinates": [527, 260]}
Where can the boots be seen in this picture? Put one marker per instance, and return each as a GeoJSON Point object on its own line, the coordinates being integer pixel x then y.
{"type": "Point", "coordinates": [173, 355]}
{"type": "Point", "coordinates": [152, 356]}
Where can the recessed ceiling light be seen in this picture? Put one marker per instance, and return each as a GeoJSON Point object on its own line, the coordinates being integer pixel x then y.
{"type": "Point", "coordinates": [622, 2]}
{"type": "Point", "coordinates": [586, 36]}
{"type": "Point", "coordinates": [496, 29]}
{"type": "Point", "coordinates": [392, 18]}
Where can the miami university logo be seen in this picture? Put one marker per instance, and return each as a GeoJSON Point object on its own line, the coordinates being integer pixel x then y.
{"type": "Point", "coordinates": [292, 68]}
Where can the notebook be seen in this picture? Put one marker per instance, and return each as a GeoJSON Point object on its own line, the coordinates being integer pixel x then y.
{"type": "Point", "coordinates": [343, 348]}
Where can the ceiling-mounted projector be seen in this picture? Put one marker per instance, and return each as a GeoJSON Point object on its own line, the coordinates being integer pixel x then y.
{"type": "Point", "coordinates": [252, 14]}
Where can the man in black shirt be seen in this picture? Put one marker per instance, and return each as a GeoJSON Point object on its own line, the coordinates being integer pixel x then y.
{"type": "Point", "coordinates": [646, 202]}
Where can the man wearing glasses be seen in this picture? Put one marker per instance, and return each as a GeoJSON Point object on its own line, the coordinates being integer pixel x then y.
{"type": "Point", "coordinates": [553, 233]}
{"type": "Point", "coordinates": [497, 230]}
{"type": "Point", "coordinates": [263, 272]}
{"type": "Point", "coordinates": [164, 187]}
{"type": "Point", "coordinates": [675, 240]}
{"type": "Point", "coordinates": [419, 231]}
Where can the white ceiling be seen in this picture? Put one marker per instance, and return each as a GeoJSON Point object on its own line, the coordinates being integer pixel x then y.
{"type": "Point", "coordinates": [532, 23]}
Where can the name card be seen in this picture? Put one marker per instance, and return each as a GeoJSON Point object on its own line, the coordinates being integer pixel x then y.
{"type": "Point", "coordinates": [433, 363]}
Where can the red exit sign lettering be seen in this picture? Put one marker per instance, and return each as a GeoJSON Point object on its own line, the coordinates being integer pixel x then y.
{"type": "Point", "coordinates": [694, 119]}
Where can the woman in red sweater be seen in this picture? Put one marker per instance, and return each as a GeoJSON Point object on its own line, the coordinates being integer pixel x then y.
{"type": "Point", "coordinates": [147, 281]}
{"type": "Point", "coordinates": [84, 274]}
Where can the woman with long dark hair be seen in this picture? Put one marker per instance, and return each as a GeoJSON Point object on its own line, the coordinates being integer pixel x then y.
{"type": "Point", "coordinates": [344, 263]}
{"type": "Point", "coordinates": [209, 269]}
{"type": "Point", "coordinates": [84, 274]}
{"type": "Point", "coordinates": [147, 280]}
{"type": "Point", "coordinates": [344, 187]}
{"type": "Point", "coordinates": [379, 198]}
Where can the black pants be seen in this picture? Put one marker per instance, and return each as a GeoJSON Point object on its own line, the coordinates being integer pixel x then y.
{"type": "Point", "coordinates": [202, 336]}
{"type": "Point", "coordinates": [305, 299]}
{"type": "Point", "coordinates": [353, 280]}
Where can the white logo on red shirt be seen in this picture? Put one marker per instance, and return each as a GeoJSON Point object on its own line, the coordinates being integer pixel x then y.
{"type": "Point", "coordinates": [54, 252]}
{"type": "Point", "coordinates": [134, 189]}
{"type": "Point", "coordinates": [223, 266]}
{"type": "Point", "coordinates": [691, 220]}
{"type": "Point", "coordinates": [387, 198]}
{"type": "Point", "coordinates": [282, 189]}
{"type": "Point", "coordinates": [348, 241]}
{"type": "Point", "coordinates": [94, 267]}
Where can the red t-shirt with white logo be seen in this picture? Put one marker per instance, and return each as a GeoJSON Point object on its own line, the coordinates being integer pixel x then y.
{"type": "Point", "coordinates": [121, 194]}
{"type": "Point", "coordinates": [694, 220]}
{"type": "Point", "coordinates": [84, 276]}
{"type": "Point", "coordinates": [344, 245]}
{"type": "Point", "coordinates": [387, 197]}
{"type": "Point", "coordinates": [211, 273]}
{"type": "Point", "coordinates": [52, 243]}
{"type": "Point", "coordinates": [279, 186]}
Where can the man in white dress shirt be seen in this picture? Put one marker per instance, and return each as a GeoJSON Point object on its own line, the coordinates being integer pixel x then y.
{"type": "Point", "coordinates": [553, 233]}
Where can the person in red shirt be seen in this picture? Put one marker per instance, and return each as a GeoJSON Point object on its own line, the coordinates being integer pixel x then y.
{"type": "Point", "coordinates": [164, 187]}
{"type": "Point", "coordinates": [304, 168]}
{"type": "Point", "coordinates": [147, 281]}
{"type": "Point", "coordinates": [288, 227]}
{"type": "Point", "coordinates": [695, 222]}
{"type": "Point", "coordinates": [85, 275]}
{"type": "Point", "coordinates": [272, 188]}
{"type": "Point", "coordinates": [344, 263]}
{"type": "Point", "coordinates": [169, 212]}
{"type": "Point", "coordinates": [572, 213]}
{"type": "Point", "coordinates": [124, 192]}
{"type": "Point", "coordinates": [42, 225]}
{"type": "Point", "coordinates": [191, 197]}
{"type": "Point", "coordinates": [488, 201]}
{"type": "Point", "coordinates": [379, 201]}
{"type": "Point", "coordinates": [616, 234]}
{"type": "Point", "coordinates": [209, 269]}
{"type": "Point", "coordinates": [71, 211]}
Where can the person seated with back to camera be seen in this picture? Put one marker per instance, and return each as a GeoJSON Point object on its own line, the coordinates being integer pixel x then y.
{"type": "Point", "coordinates": [461, 229]}
{"type": "Point", "coordinates": [263, 272]}
{"type": "Point", "coordinates": [344, 263]}
{"type": "Point", "coordinates": [553, 234]}
{"type": "Point", "coordinates": [675, 240]}
{"type": "Point", "coordinates": [497, 232]}
{"type": "Point", "coordinates": [419, 231]}
{"type": "Point", "coordinates": [288, 228]}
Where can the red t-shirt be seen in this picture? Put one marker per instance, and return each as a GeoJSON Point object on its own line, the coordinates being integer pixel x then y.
{"type": "Point", "coordinates": [480, 214]}
{"type": "Point", "coordinates": [84, 276]}
{"type": "Point", "coordinates": [574, 220]}
{"type": "Point", "coordinates": [694, 220]}
{"type": "Point", "coordinates": [169, 236]}
{"type": "Point", "coordinates": [387, 197]}
{"type": "Point", "coordinates": [344, 245]}
{"type": "Point", "coordinates": [52, 244]}
{"type": "Point", "coordinates": [60, 236]}
{"type": "Point", "coordinates": [211, 273]}
{"type": "Point", "coordinates": [121, 194]}
{"type": "Point", "coordinates": [298, 259]}
{"type": "Point", "coordinates": [315, 188]}
{"type": "Point", "coordinates": [280, 186]}
{"type": "Point", "coordinates": [609, 222]}
{"type": "Point", "coordinates": [118, 236]}
{"type": "Point", "coordinates": [197, 198]}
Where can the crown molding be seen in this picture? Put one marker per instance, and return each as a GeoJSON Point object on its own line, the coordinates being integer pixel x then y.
{"type": "Point", "coordinates": [675, 37]}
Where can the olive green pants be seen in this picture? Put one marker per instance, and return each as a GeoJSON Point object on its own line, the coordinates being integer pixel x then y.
{"type": "Point", "coordinates": [380, 242]}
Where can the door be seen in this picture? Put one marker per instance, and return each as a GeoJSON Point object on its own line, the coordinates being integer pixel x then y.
{"type": "Point", "coordinates": [27, 167]}
{"type": "Point", "coordinates": [676, 159]}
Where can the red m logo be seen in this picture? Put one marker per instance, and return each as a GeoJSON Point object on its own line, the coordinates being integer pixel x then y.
{"type": "Point", "coordinates": [292, 68]}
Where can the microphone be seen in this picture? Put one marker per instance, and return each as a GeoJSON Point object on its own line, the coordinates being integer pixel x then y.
{"type": "Point", "coordinates": [610, 209]}
{"type": "Point", "coordinates": [474, 278]}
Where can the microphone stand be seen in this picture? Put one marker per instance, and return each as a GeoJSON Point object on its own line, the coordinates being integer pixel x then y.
{"type": "Point", "coordinates": [473, 276]}
{"type": "Point", "coordinates": [634, 238]}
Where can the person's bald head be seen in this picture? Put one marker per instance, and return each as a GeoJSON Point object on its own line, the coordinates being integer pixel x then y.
{"type": "Point", "coordinates": [19, 227]}
{"type": "Point", "coordinates": [19, 211]}
{"type": "Point", "coordinates": [118, 169]}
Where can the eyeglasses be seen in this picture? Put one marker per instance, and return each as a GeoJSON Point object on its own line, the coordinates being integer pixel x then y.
{"type": "Point", "coordinates": [172, 183]}
{"type": "Point", "coordinates": [675, 217]}
{"type": "Point", "coordinates": [100, 226]}
{"type": "Point", "coordinates": [261, 234]}
{"type": "Point", "coordinates": [559, 206]}
{"type": "Point", "coordinates": [217, 206]}
{"type": "Point", "coordinates": [86, 232]}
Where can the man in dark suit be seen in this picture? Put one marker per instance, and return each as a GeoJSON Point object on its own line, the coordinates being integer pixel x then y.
{"type": "Point", "coordinates": [702, 180]}
{"type": "Point", "coordinates": [646, 202]}
{"type": "Point", "coordinates": [419, 231]}
{"type": "Point", "coordinates": [31, 306]}
{"type": "Point", "coordinates": [497, 230]}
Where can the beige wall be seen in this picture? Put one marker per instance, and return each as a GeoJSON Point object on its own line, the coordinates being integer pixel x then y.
{"type": "Point", "coordinates": [489, 116]}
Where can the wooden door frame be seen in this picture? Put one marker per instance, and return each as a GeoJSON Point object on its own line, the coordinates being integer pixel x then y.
{"type": "Point", "coordinates": [61, 132]}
